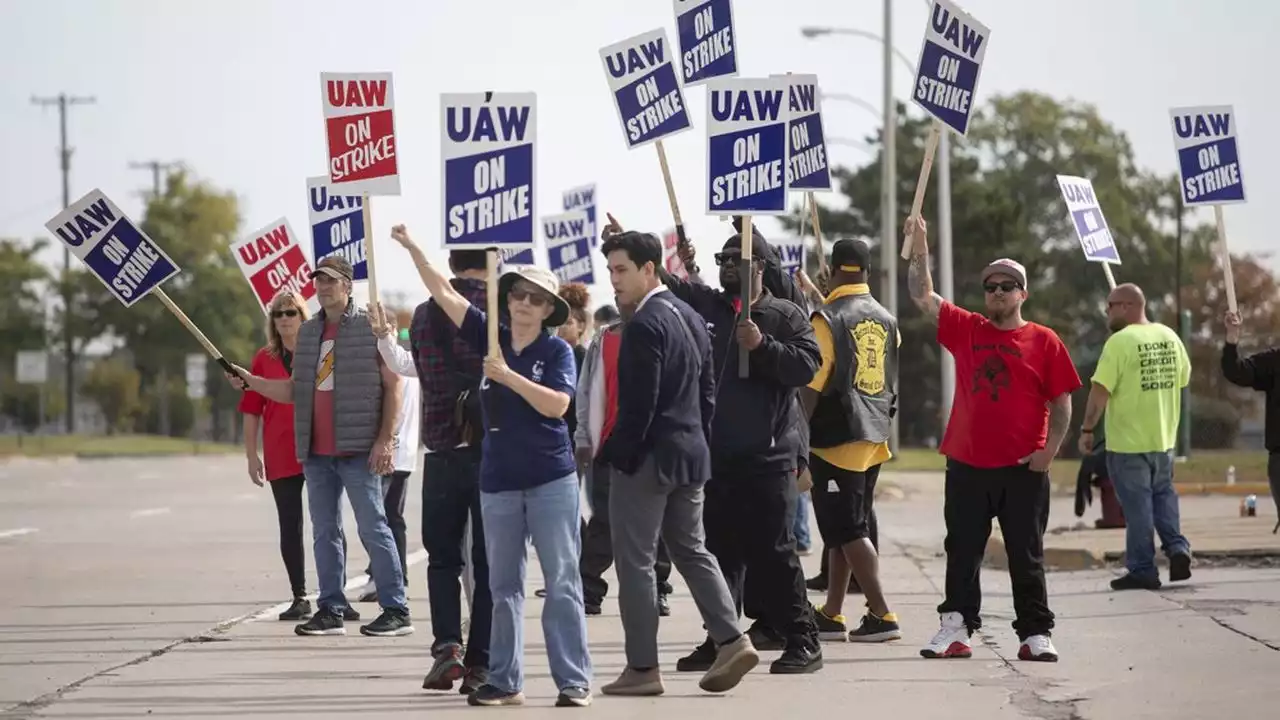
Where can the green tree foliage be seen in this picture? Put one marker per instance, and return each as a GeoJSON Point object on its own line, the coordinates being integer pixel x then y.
{"type": "Point", "coordinates": [22, 325]}
{"type": "Point", "coordinates": [1006, 203]}
{"type": "Point", "coordinates": [114, 384]}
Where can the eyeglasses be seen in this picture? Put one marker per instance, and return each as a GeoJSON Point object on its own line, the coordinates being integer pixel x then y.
{"type": "Point", "coordinates": [291, 312]}
{"type": "Point", "coordinates": [733, 258]}
{"type": "Point", "coordinates": [1007, 286]}
{"type": "Point", "coordinates": [535, 298]}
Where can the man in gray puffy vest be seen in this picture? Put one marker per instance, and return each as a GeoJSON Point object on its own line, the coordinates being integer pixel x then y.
{"type": "Point", "coordinates": [346, 402]}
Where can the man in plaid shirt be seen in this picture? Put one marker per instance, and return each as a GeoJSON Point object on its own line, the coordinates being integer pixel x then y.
{"type": "Point", "coordinates": [451, 483]}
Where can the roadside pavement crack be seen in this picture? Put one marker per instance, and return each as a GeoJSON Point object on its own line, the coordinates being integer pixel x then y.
{"type": "Point", "coordinates": [1217, 610]}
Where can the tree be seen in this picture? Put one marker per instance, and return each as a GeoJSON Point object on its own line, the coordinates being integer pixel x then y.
{"type": "Point", "coordinates": [22, 325]}
{"type": "Point", "coordinates": [113, 383]}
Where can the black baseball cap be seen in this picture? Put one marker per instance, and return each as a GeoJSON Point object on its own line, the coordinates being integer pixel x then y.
{"type": "Point", "coordinates": [336, 267]}
{"type": "Point", "coordinates": [851, 255]}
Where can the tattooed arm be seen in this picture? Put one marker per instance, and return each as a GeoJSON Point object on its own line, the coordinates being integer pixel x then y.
{"type": "Point", "coordinates": [919, 281]}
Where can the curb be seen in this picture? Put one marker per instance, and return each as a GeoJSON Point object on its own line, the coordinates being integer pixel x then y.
{"type": "Point", "coordinates": [1247, 488]}
{"type": "Point", "coordinates": [1061, 559]}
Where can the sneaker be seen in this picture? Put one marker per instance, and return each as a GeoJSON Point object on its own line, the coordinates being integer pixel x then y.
{"type": "Point", "coordinates": [574, 697]}
{"type": "Point", "coordinates": [830, 627]}
{"type": "Point", "coordinates": [817, 582]}
{"type": "Point", "coordinates": [368, 593]}
{"type": "Point", "coordinates": [350, 615]}
{"type": "Point", "coordinates": [1038, 648]}
{"type": "Point", "coordinates": [1180, 567]}
{"type": "Point", "coordinates": [765, 638]}
{"type": "Point", "coordinates": [1129, 581]}
{"type": "Point", "coordinates": [951, 641]}
{"type": "Point", "coordinates": [446, 669]}
{"type": "Point", "coordinates": [299, 610]}
{"type": "Point", "coordinates": [664, 606]}
{"type": "Point", "coordinates": [700, 660]}
{"type": "Point", "coordinates": [391, 623]}
{"type": "Point", "coordinates": [540, 592]}
{"type": "Point", "coordinates": [877, 629]}
{"type": "Point", "coordinates": [799, 658]}
{"type": "Point", "coordinates": [475, 678]}
{"type": "Point", "coordinates": [490, 696]}
{"type": "Point", "coordinates": [592, 608]}
{"type": "Point", "coordinates": [324, 622]}
{"type": "Point", "coordinates": [804, 550]}
{"type": "Point", "coordinates": [733, 661]}
{"type": "Point", "coordinates": [636, 683]}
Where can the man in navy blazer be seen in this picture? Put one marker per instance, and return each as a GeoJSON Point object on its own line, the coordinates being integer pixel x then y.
{"type": "Point", "coordinates": [659, 451]}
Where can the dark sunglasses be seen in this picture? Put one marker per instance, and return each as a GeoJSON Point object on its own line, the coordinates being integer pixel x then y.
{"type": "Point", "coordinates": [1006, 286]}
{"type": "Point", "coordinates": [284, 313]}
{"type": "Point", "coordinates": [732, 258]}
{"type": "Point", "coordinates": [534, 297]}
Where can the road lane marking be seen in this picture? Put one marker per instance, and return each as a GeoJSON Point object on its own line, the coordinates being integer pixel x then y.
{"type": "Point", "coordinates": [357, 581]}
{"type": "Point", "coordinates": [17, 532]}
{"type": "Point", "coordinates": [149, 512]}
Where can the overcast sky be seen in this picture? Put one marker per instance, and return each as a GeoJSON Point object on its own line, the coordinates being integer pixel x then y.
{"type": "Point", "coordinates": [232, 89]}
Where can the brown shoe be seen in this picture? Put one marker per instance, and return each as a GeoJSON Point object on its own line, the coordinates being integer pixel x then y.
{"type": "Point", "coordinates": [636, 683]}
{"type": "Point", "coordinates": [733, 661]}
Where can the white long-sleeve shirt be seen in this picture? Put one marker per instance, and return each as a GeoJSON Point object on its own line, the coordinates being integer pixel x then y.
{"type": "Point", "coordinates": [409, 431]}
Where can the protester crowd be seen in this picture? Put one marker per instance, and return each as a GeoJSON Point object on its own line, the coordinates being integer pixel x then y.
{"type": "Point", "coordinates": [695, 427]}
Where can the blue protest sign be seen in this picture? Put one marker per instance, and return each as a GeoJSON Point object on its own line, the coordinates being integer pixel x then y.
{"type": "Point", "coordinates": [645, 89]}
{"type": "Point", "coordinates": [950, 63]}
{"type": "Point", "coordinates": [584, 198]}
{"type": "Point", "coordinates": [747, 146]}
{"type": "Point", "coordinates": [1208, 155]}
{"type": "Point", "coordinates": [1086, 216]}
{"type": "Point", "coordinates": [337, 224]}
{"type": "Point", "coordinates": [708, 43]}
{"type": "Point", "coordinates": [791, 250]}
{"type": "Point", "coordinates": [515, 257]}
{"type": "Point", "coordinates": [116, 250]}
{"type": "Point", "coordinates": [569, 247]}
{"type": "Point", "coordinates": [807, 147]}
{"type": "Point", "coordinates": [487, 145]}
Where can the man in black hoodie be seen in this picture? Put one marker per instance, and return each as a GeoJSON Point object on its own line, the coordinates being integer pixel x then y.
{"type": "Point", "coordinates": [752, 494]}
{"type": "Point", "coordinates": [1260, 371]}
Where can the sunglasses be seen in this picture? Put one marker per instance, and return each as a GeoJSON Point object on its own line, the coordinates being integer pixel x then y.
{"type": "Point", "coordinates": [1007, 286]}
{"type": "Point", "coordinates": [534, 297]}
{"type": "Point", "coordinates": [732, 258]}
{"type": "Point", "coordinates": [284, 313]}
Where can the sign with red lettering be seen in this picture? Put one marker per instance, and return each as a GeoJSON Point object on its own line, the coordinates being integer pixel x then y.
{"type": "Point", "coordinates": [360, 128]}
{"type": "Point", "coordinates": [272, 260]}
{"type": "Point", "coordinates": [670, 258]}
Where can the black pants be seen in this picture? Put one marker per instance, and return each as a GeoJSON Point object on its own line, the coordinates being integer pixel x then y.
{"type": "Point", "coordinates": [287, 492]}
{"type": "Point", "coordinates": [451, 492]}
{"type": "Point", "coordinates": [1019, 499]}
{"type": "Point", "coordinates": [393, 497]}
{"type": "Point", "coordinates": [874, 536]}
{"type": "Point", "coordinates": [597, 545]}
{"type": "Point", "coordinates": [749, 525]}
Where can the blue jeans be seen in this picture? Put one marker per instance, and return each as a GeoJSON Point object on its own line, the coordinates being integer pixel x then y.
{"type": "Point", "coordinates": [801, 528]}
{"type": "Point", "coordinates": [1144, 485]}
{"type": "Point", "coordinates": [550, 515]}
{"type": "Point", "coordinates": [327, 478]}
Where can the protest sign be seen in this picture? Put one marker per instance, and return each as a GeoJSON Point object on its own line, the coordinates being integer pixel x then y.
{"type": "Point", "coordinates": [645, 89]}
{"type": "Point", "coordinates": [360, 128]}
{"type": "Point", "coordinates": [1091, 227]}
{"type": "Point", "coordinates": [670, 257]}
{"type": "Point", "coordinates": [950, 62]}
{"type": "Point", "coordinates": [708, 42]}
{"type": "Point", "coordinates": [115, 250]}
{"type": "Point", "coordinates": [337, 224]}
{"type": "Point", "coordinates": [514, 257]}
{"type": "Point", "coordinates": [791, 250]}
{"type": "Point", "coordinates": [487, 145]}
{"type": "Point", "coordinates": [569, 247]}
{"type": "Point", "coordinates": [807, 146]}
{"type": "Point", "coordinates": [747, 146]}
{"type": "Point", "coordinates": [1208, 155]}
{"type": "Point", "coordinates": [272, 260]}
{"type": "Point", "coordinates": [584, 198]}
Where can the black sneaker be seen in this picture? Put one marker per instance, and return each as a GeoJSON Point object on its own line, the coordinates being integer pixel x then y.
{"type": "Point", "coordinates": [765, 638]}
{"type": "Point", "coordinates": [700, 660]}
{"type": "Point", "coordinates": [446, 669]}
{"type": "Point", "coordinates": [491, 696]}
{"type": "Point", "coordinates": [830, 627]}
{"type": "Point", "coordinates": [574, 697]}
{"type": "Point", "coordinates": [540, 592]}
{"type": "Point", "coordinates": [798, 658]}
{"type": "Point", "coordinates": [1180, 567]}
{"type": "Point", "coordinates": [1129, 581]}
{"type": "Point", "coordinates": [475, 678]}
{"type": "Point", "coordinates": [350, 615]}
{"type": "Point", "coordinates": [324, 622]}
{"type": "Point", "coordinates": [299, 610]}
{"type": "Point", "coordinates": [877, 629]}
{"type": "Point", "coordinates": [817, 582]}
{"type": "Point", "coordinates": [664, 606]}
{"type": "Point", "coordinates": [592, 608]}
{"type": "Point", "coordinates": [391, 623]}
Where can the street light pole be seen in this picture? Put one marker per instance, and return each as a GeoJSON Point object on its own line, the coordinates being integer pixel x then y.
{"type": "Point", "coordinates": [888, 188]}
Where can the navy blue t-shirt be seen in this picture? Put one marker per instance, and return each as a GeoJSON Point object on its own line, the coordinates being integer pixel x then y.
{"type": "Point", "coordinates": [528, 449]}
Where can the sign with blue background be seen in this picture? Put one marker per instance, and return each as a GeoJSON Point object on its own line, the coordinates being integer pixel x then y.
{"type": "Point", "coordinates": [128, 262]}
{"type": "Point", "coordinates": [747, 124]}
{"type": "Point", "coordinates": [708, 43]}
{"type": "Point", "coordinates": [950, 63]}
{"type": "Point", "coordinates": [487, 148]}
{"type": "Point", "coordinates": [645, 89]}
{"type": "Point", "coordinates": [569, 247]}
{"type": "Point", "coordinates": [584, 198]}
{"type": "Point", "coordinates": [337, 224]}
{"type": "Point", "coordinates": [515, 257]}
{"type": "Point", "coordinates": [807, 167]}
{"type": "Point", "coordinates": [791, 250]}
{"type": "Point", "coordinates": [1208, 155]}
{"type": "Point", "coordinates": [1086, 216]}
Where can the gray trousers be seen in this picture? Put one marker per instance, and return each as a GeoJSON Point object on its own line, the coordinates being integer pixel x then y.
{"type": "Point", "coordinates": [641, 508]}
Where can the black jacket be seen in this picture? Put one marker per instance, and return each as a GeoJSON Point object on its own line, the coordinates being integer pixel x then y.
{"type": "Point", "coordinates": [1260, 371]}
{"type": "Point", "coordinates": [753, 429]}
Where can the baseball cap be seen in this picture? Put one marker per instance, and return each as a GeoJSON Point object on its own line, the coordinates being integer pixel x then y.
{"type": "Point", "coordinates": [1005, 266]}
{"type": "Point", "coordinates": [851, 255]}
{"type": "Point", "coordinates": [336, 267]}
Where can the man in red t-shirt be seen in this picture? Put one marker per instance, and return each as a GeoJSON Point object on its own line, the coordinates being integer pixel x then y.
{"type": "Point", "coordinates": [1010, 414]}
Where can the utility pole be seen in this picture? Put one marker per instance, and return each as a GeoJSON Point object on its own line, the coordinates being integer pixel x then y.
{"type": "Point", "coordinates": [889, 184]}
{"type": "Point", "coordinates": [162, 377]}
{"type": "Point", "coordinates": [63, 101]}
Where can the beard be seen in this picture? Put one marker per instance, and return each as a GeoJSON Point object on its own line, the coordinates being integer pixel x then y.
{"type": "Point", "coordinates": [1001, 315]}
{"type": "Point", "coordinates": [731, 285]}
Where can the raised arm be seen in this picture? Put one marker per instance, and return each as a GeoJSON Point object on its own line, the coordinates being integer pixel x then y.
{"type": "Point", "coordinates": [450, 301]}
{"type": "Point", "coordinates": [919, 281]}
{"type": "Point", "coordinates": [1255, 371]}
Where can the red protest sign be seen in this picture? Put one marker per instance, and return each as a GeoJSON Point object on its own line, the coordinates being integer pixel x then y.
{"type": "Point", "coordinates": [359, 126]}
{"type": "Point", "coordinates": [670, 258]}
{"type": "Point", "coordinates": [272, 260]}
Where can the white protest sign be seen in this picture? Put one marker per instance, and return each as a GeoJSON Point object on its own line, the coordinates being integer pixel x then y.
{"type": "Point", "coordinates": [272, 261]}
{"type": "Point", "coordinates": [807, 167]}
{"type": "Point", "coordinates": [115, 250]}
{"type": "Point", "coordinates": [1208, 155]}
{"type": "Point", "coordinates": [645, 89]}
{"type": "Point", "coordinates": [569, 247]}
{"type": "Point", "coordinates": [708, 42]}
{"type": "Point", "coordinates": [359, 124]}
{"type": "Point", "coordinates": [747, 123]}
{"type": "Point", "coordinates": [1086, 216]}
{"type": "Point", "coordinates": [487, 144]}
{"type": "Point", "coordinates": [791, 251]}
{"type": "Point", "coordinates": [584, 198]}
{"type": "Point", "coordinates": [950, 62]}
{"type": "Point", "coordinates": [337, 224]}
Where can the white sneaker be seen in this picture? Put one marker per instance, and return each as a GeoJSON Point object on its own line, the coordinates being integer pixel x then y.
{"type": "Point", "coordinates": [1038, 648]}
{"type": "Point", "coordinates": [951, 641]}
